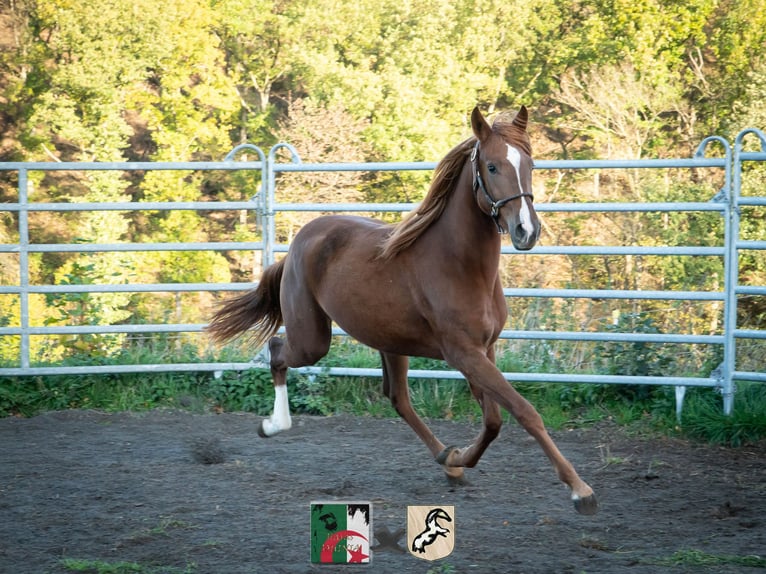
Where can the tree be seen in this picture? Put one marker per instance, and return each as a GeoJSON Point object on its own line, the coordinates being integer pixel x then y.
{"type": "Point", "coordinates": [115, 73]}
{"type": "Point", "coordinates": [306, 128]}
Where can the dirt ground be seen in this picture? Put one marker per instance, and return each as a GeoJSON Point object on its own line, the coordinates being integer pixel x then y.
{"type": "Point", "coordinates": [179, 492]}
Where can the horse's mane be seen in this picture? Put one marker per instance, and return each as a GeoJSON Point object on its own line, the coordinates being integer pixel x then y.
{"type": "Point", "coordinates": [430, 209]}
{"type": "Point", "coordinates": [406, 232]}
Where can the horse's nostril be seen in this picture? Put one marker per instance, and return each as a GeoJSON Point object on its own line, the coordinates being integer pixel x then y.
{"type": "Point", "coordinates": [523, 238]}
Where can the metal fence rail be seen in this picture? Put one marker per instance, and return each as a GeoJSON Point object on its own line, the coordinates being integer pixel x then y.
{"type": "Point", "coordinates": [727, 203]}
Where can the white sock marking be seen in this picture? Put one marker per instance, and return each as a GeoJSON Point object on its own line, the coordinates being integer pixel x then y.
{"type": "Point", "coordinates": [280, 418]}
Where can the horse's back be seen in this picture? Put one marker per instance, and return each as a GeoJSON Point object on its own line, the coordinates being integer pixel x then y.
{"type": "Point", "coordinates": [330, 239]}
{"type": "Point", "coordinates": [336, 256]}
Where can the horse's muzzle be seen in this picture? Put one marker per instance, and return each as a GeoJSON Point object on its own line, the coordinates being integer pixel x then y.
{"type": "Point", "coordinates": [523, 237]}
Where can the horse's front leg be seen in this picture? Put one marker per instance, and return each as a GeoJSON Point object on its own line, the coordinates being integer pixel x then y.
{"type": "Point", "coordinates": [487, 379]}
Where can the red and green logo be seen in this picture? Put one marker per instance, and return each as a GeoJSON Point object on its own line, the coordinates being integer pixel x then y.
{"type": "Point", "coordinates": [340, 533]}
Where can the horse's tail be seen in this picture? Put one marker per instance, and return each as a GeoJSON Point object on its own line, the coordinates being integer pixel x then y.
{"type": "Point", "coordinates": [257, 308]}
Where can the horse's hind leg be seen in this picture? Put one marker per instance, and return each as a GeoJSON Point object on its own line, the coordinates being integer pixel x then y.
{"type": "Point", "coordinates": [396, 389]}
{"type": "Point", "coordinates": [492, 421]}
{"type": "Point", "coordinates": [305, 345]}
{"type": "Point", "coordinates": [280, 417]}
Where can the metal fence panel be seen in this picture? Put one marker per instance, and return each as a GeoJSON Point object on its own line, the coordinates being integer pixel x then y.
{"type": "Point", "coordinates": [727, 203]}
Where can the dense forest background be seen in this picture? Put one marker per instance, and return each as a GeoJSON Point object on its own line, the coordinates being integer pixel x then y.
{"type": "Point", "coordinates": [382, 80]}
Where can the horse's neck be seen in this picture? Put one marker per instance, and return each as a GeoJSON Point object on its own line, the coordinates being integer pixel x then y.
{"type": "Point", "coordinates": [466, 233]}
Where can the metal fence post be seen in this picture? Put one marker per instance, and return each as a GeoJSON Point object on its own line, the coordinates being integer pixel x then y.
{"type": "Point", "coordinates": [259, 197]}
{"type": "Point", "coordinates": [24, 348]}
{"type": "Point", "coordinates": [727, 196]}
{"type": "Point", "coordinates": [730, 357]}
{"type": "Point", "coordinates": [731, 265]}
{"type": "Point", "coordinates": [269, 232]}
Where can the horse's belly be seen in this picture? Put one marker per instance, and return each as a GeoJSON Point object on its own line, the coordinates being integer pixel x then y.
{"type": "Point", "coordinates": [398, 343]}
{"type": "Point", "coordinates": [385, 324]}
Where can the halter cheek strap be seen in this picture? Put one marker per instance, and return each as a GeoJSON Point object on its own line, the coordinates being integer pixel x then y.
{"type": "Point", "coordinates": [478, 184]}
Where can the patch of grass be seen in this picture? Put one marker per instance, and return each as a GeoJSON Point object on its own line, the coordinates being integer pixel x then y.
{"type": "Point", "coordinates": [27, 396]}
{"type": "Point", "coordinates": [443, 399]}
{"type": "Point", "coordinates": [431, 398]}
{"type": "Point", "coordinates": [163, 528]}
{"type": "Point", "coordinates": [693, 557]}
{"type": "Point", "coordinates": [101, 567]}
{"type": "Point", "coordinates": [441, 569]}
{"type": "Point", "coordinates": [607, 458]}
{"type": "Point", "coordinates": [104, 567]}
{"type": "Point", "coordinates": [167, 524]}
{"type": "Point", "coordinates": [703, 416]}
{"type": "Point", "coordinates": [640, 409]}
{"type": "Point", "coordinates": [358, 396]}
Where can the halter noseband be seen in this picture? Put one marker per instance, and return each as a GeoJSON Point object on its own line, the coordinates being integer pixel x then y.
{"type": "Point", "coordinates": [478, 183]}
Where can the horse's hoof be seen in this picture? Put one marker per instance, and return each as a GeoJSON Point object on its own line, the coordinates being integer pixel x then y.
{"type": "Point", "coordinates": [442, 457]}
{"type": "Point", "coordinates": [457, 480]}
{"type": "Point", "coordinates": [454, 474]}
{"type": "Point", "coordinates": [587, 505]}
{"type": "Point", "coordinates": [262, 431]}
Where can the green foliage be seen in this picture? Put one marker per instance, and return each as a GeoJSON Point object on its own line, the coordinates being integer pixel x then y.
{"type": "Point", "coordinates": [175, 79]}
{"type": "Point", "coordinates": [359, 396]}
{"type": "Point", "coordinates": [633, 358]}
{"type": "Point", "coordinates": [17, 397]}
{"type": "Point", "coordinates": [27, 396]}
{"type": "Point", "coordinates": [84, 309]}
{"type": "Point", "coordinates": [351, 81]}
{"type": "Point", "coordinates": [626, 358]}
{"type": "Point", "coordinates": [309, 396]}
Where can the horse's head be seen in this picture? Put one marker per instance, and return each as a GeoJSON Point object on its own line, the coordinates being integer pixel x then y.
{"type": "Point", "coordinates": [502, 168]}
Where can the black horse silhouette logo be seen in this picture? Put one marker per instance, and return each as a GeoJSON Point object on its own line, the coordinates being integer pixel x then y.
{"type": "Point", "coordinates": [434, 539]}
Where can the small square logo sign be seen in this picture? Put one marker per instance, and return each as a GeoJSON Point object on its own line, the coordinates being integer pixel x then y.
{"type": "Point", "coordinates": [341, 532]}
{"type": "Point", "coordinates": [431, 531]}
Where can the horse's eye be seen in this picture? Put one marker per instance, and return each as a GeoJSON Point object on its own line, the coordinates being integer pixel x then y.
{"type": "Point", "coordinates": [491, 168]}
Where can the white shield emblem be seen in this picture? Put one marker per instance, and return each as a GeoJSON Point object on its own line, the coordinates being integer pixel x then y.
{"type": "Point", "coordinates": [431, 531]}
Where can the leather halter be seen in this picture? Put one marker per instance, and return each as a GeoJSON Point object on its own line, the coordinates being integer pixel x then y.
{"type": "Point", "coordinates": [478, 183]}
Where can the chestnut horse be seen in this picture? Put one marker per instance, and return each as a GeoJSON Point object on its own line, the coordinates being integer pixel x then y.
{"type": "Point", "coordinates": [428, 286]}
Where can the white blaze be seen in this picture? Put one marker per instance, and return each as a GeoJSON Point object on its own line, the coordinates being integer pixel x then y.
{"type": "Point", "coordinates": [525, 215]}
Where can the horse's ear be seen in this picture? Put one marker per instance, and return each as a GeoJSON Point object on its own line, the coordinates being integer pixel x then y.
{"type": "Point", "coordinates": [520, 121]}
{"type": "Point", "coordinates": [479, 125]}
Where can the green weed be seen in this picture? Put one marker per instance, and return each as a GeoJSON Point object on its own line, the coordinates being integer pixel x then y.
{"type": "Point", "coordinates": [101, 567]}
{"type": "Point", "coordinates": [692, 557]}
{"type": "Point", "coordinates": [120, 567]}
{"type": "Point", "coordinates": [441, 569]}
